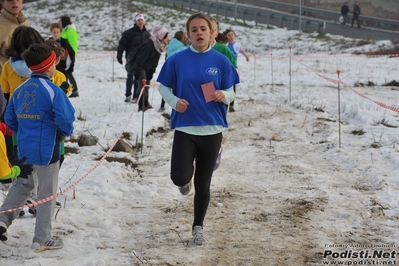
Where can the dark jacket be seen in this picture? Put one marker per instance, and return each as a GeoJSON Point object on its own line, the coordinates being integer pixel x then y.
{"type": "Point", "coordinates": [146, 58]}
{"type": "Point", "coordinates": [67, 64]}
{"type": "Point", "coordinates": [356, 10]}
{"type": "Point", "coordinates": [344, 10]}
{"type": "Point", "coordinates": [131, 39]}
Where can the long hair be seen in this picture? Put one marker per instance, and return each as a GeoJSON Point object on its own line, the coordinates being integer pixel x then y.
{"type": "Point", "coordinates": [182, 37]}
{"type": "Point", "coordinates": [21, 39]}
{"type": "Point", "coordinates": [227, 32]}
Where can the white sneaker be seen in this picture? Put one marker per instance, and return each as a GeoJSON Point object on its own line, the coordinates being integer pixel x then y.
{"type": "Point", "coordinates": [198, 235]}
{"type": "Point", "coordinates": [3, 232]}
{"type": "Point", "coordinates": [49, 244]}
{"type": "Point", "coordinates": [128, 99]}
{"type": "Point", "coordinates": [184, 190]}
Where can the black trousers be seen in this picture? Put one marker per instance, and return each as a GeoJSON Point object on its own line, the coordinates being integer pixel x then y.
{"type": "Point", "coordinates": [143, 100]}
{"type": "Point", "coordinates": [204, 149]}
{"type": "Point", "coordinates": [357, 21]}
{"type": "Point", "coordinates": [72, 81]}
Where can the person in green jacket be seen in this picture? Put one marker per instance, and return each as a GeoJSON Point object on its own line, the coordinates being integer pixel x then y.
{"type": "Point", "coordinates": [69, 32]}
{"type": "Point", "coordinates": [216, 42]}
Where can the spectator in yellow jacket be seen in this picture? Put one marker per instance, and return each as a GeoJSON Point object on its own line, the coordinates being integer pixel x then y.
{"type": "Point", "coordinates": [8, 171]}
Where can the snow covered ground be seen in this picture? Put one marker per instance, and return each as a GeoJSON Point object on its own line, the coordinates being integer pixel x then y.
{"type": "Point", "coordinates": [294, 187]}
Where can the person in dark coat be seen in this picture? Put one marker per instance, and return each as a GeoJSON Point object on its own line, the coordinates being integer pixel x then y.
{"type": "Point", "coordinates": [356, 14]}
{"type": "Point", "coordinates": [344, 12]}
{"type": "Point", "coordinates": [131, 39]}
{"type": "Point", "coordinates": [146, 61]}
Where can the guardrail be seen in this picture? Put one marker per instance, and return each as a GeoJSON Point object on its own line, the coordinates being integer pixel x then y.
{"type": "Point", "coordinates": [264, 16]}
{"type": "Point", "coordinates": [262, 11]}
{"type": "Point", "coordinates": [388, 24]}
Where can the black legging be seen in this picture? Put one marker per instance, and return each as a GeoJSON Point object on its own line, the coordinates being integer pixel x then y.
{"type": "Point", "coordinates": [204, 149]}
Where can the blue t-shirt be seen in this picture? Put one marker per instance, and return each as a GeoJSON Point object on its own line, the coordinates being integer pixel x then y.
{"type": "Point", "coordinates": [185, 72]}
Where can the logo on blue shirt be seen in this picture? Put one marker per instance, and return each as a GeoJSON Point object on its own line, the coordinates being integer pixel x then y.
{"type": "Point", "coordinates": [212, 71]}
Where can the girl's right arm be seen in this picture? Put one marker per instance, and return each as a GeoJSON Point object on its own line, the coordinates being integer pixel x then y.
{"type": "Point", "coordinates": [168, 96]}
{"type": "Point", "coordinates": [242, 51]}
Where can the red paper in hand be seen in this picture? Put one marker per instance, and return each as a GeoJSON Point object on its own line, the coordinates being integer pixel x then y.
{"type": "Point", "coordinates": [208, 89]}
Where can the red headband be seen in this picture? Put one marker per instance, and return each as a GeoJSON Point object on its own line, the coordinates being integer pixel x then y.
{"type": "Point", "coordinates": [45, 65]}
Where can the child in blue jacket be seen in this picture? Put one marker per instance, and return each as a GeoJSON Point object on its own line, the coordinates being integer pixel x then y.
{"type": "Point", "coordinates": [41, 115]}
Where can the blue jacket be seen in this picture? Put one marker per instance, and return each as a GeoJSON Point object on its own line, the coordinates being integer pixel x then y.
{"type": "Point", "coordinates": [39, 112]}
{"type": "Point", "coordinates": [175, 46]}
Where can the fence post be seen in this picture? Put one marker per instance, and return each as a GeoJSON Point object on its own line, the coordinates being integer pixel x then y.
{"type": "Point", "coordinates": [142, 114]}
{"type": "Point", "coordinates": [113, 66]}
{"type": "Point", "coordinates": [254, 68]}
{"type": "Point", "coordinates": [290, 74]}
{"type": "Point", "coordinates": [271, 62]}
{"type": "Point", "coordinates": [339, 111]}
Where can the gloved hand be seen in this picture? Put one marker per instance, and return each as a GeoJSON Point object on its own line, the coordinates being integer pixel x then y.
{"type": "Point", "coordinates": [26, 169]}
{"type": "Point", "coordinates": [119, 59]}
{"type": "Point", "coordinates": [66, 88]}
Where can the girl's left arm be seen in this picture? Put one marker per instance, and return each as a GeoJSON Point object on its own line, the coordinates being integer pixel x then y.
{"type": "Point", "coordinates": [229, 95]}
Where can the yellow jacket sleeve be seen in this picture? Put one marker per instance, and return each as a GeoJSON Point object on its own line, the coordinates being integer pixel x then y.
{"type": "Point", "coordinates": [6, 171]}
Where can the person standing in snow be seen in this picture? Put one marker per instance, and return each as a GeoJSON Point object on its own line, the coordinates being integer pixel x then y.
{"type": "Point", "coordinates": [197, 83]}
{"type": "Point", "coordinates": [58, 79]}
{"type": "Point", "coordinates": [11, 17]}
{"type": "Point", "coordinates": [344, 13]}
{"type": "Point", "coordinates": [356, 14]}
{"type": "Point", "coordinates": [145, 61]}
{"type": "Point", "coordinates": [67, 61]}
{"type": "Point", "coordinates": [131, 39]}
{"type": "Point", "coordinates": [177, 44]}
{"type": "Point", "coordinates": [7, 169]}
{"type": "Point", "coordinates": [223, 49]}
{"type": "Point", "coordinates": [235, 47]}
{"type": "Point", "coordinates": [39, 109]}
{"type": "Point", "coordinates": [15, 71]}
{"type": "Point", "coordinates": [69, 33]}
